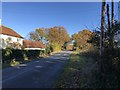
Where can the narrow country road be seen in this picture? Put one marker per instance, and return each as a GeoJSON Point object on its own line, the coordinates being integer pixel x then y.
{"type": "Point", "coordinates": [36, 74]}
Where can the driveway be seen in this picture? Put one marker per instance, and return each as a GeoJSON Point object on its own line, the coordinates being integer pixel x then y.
{"type": "Point", "coordinates": [40, 73]}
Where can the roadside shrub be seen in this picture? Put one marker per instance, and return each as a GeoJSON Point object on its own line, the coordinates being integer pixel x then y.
{"type": "Point", "coordinates": [6, 55]}
{"type": "Point", "coordinates": [25, 57]}
{"type": "Point", "coordinates": [91, 54]}
{"type": "Point", "coordinates": [19, 55]}
{"type": "Point", "coordinates": [14, 63]}
{"type": "Point", "coordinates": [55, 47]}
{"type": "Point", "coordinates": [32, 53]}
{"type": "Point", "coordinates": [48, 50]}
{"type": "Point", "coordinates": [108, 77]}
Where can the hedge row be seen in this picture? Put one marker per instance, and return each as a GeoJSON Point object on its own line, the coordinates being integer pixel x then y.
{"type": "Point", "coordinates": [9, 54]}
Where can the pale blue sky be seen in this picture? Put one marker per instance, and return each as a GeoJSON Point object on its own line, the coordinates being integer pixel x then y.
{"type": "Point", "coordinates": [25, 17]}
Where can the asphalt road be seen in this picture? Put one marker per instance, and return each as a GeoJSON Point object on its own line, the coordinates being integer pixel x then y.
{"type": "Point", "coordinates": [40, 73]}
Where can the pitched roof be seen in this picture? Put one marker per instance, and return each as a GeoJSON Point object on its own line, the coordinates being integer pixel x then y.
{"type": "Point", "coordinates": [33, 44]}
{"type": "Point", "coordinates": [9, 31]}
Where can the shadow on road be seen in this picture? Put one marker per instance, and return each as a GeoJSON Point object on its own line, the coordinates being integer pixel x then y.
{"type": "Point", "coordinates": [40, 73]}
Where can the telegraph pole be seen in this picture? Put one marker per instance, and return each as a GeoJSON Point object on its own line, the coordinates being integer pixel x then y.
{"type": "Point", "coordinates": [102, 28]}
{"type": "Point", "coordinates": [108, 19]}
{"type": "Point", "coordinates": [102, 40]}
{"type": "Point", "coordinates": [109, 27]}
{"type": "Point", "coordinates": [112, 13]}
{"type": "Point", "coordinates": [112, 27]}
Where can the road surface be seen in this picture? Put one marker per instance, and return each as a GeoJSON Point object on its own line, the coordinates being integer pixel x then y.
{"type": "Point", "coordinates": [40, 73]}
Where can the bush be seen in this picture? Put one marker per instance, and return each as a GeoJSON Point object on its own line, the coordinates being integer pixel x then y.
{"type": "Point", "coordinates": [6, 55]}
{"type": "Point", "coordinates": [14, 63]}
{"type": "Point", "coordinates": [48, 50]}
{"type": "Point", "coordinates": [19, 55]}
{"type": "Point", "coordinates": [32, 53]}
{"type": "Point", "coordinates": [109, 75]}
{"type": "Point", "coordinates": [56, 47]}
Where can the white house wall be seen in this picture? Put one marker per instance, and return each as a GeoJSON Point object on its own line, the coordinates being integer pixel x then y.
{"type": "Point", "coordinates": [13, 39]}
{"type": "Point", "coordinates": [34, 49]}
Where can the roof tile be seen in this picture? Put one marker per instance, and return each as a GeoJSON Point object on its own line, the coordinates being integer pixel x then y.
{"type": "Point", "coordinates": [33, 44]}
{"type": "Point", "coordinates": [9, 31]}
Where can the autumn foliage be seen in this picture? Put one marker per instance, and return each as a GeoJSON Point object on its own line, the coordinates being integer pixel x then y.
{"type": "Point", "coordinates": [81, 39]}
{"type": "Point", "coordinates": [55, 37]}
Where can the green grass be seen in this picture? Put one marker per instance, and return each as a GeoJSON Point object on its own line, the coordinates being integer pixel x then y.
{"type": "Point", "coordinates": [77, 72]}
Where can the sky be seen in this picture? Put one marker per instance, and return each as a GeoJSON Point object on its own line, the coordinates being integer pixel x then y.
{"type": "Point", "coordinates": [24, 17]}
{"type": "Point", "coordinates": [119, 11]}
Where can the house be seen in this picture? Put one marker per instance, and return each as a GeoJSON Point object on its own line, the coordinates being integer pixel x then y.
{"type": "Point", "coordinates": [117, 38]}
{"type": "Point", "coordinates": [69, 46]}
{"type": "Point", "coordinates": [33, 45]}
{"type": "Point", "coordinates": [10, 38]}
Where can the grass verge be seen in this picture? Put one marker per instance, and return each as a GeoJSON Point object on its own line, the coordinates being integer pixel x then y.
{"type": "Point", "coordinates": [77, 73]}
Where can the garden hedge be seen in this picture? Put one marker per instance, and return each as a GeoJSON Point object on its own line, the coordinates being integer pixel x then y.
{"type": "Point", "coordinates": [9, 54]}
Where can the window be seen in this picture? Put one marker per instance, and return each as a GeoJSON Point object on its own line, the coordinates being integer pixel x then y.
{"type": "Point", "coordinates": [3, 43]}
{"type": "Point", "coordinates": [18, 40]}
{"type": "Point", "coordinates": [9, 38]}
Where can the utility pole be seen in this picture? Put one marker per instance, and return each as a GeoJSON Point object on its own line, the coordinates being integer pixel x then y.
{"type": "Point", "coordinates": [102, 41]}
{"type": "Point", "coordinates": [102, 27]}
{"type": "Point", "coordinates": [112, 13]}
{"type": "Point", "coordinates": [112, 27]}
{"type": "Point", "coordinates": [109, 29]}
{"type": "Point", "coordinates": [108, 19]}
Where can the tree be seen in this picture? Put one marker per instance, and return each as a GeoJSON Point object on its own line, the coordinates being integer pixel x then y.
{"type": "Point", "coordinates": [58, 36]}
{"type": "Point", "coordinates": [40, 34]}
{"type": "Point", "coordinates": [34, 36]}
{"type": "Point", "coordinates": [111, 28]}
{"type": "Point", "coordinates": [81, 39]}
